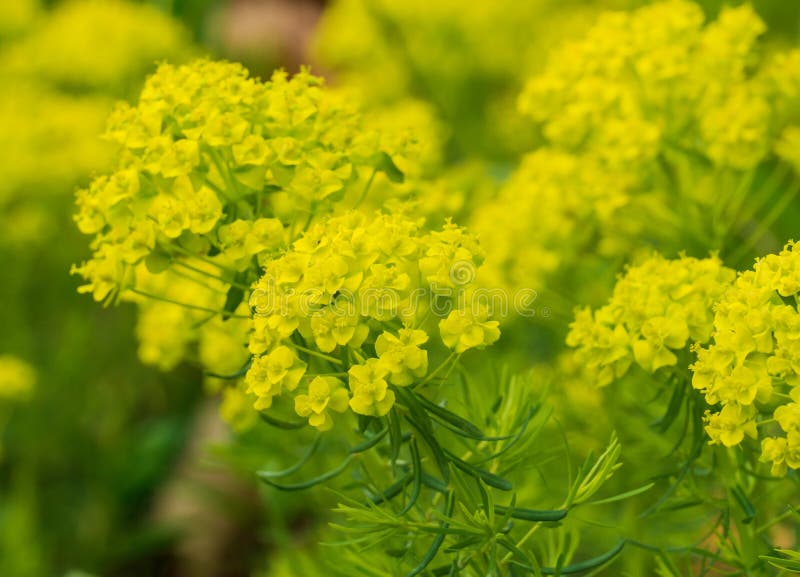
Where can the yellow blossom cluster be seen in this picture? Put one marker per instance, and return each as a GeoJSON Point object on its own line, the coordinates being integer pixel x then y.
{"type": "Point", "coordinates": [360, 295]}
{"type": "Point", "coordinates": [63, 90]}
{"type": "Point", "coordinates": [752, 367]}
{"type": "Point", "coordinates": [103, 46]}
{"type": "Point", "coordinates": [653, 122]}
{"type": "Point", "coordinates": [658, 81]}
{"type": "Point", "coordinates": [49, 142]}
{"type": "Point", "coordinates": [168, 333]}
{"type": "Point", "coordinates": [224, 180]}
{"type": "Point", "coordinates": [555, 204]}
{"type": "Point", "coordinates": [220, 166]}
{"type": "Point", "coordinates": [657, 309]}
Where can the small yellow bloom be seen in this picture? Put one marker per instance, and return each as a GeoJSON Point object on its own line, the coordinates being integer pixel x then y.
{"type": "Point", "coordinates": [325, 394]}
{"type": "Point", "coordinates": [467, 328]}
{"type": "Point", "coordinates": [271, 374]}
{"type": "Point", "coordinates": [371, 393]}
{"type": "Point", "coordinates": [402, 355]}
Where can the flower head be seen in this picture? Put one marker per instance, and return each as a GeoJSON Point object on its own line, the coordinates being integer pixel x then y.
{"type": "Point", "coordinates": [325, 394]}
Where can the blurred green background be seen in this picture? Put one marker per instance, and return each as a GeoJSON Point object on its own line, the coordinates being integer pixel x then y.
{"type": "Point", "coordinates": [109, 467]}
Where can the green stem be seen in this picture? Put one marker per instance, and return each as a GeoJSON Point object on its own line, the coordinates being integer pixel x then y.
{"type": "Point", "coordinates": [200, 257]}
{"type": "Point", "coordinates": [212, 276]}
{"type": "Point", "coordinates": [763, 226]}
{"type": "Point", "coordinates": [317, 354]}
{"type": "Point", "coordinates": [186, 305]}
{"type": "Point", "coordinates": [366, 189]}
{"type": "Point", "coordinates": [430, 377]}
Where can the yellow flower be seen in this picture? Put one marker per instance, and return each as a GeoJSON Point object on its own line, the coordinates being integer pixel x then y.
{"type": "Point", "coordinates": [788, 417]}
{"type": "Point", "coordinates": [657, 308]}
{"type": "Point", "coordinates": [755, 353]}
{"type": "Point", "coordinates": [660, 334]}
{"type": "Point", "coordinates": [371, 393]}
{"type": "Point", "coordinates": [402, 355]}
{"type": "Point", "coordinates": [233, 238]}
{"type": "Point", "coordinates": [730, 425]}
{"type": "Point", "coordinates": [271, 374]}
{"type": "Point", "coordinates": [337, 327]}
{"type": "Point", "coordinates": [325, 394]}
{"type": "Point", "coordinates": [265, 234]}
{"type": "Point", "coordinates": [469, 328]}
{"type": "Point", "coordinates": [773, 450]}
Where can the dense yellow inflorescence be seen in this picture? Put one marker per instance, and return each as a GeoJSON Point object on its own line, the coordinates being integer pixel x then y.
{"type": "Point", "coordinates": [217, 164]}
{"type": "Point", "coordinates": [369, 290]}
{"type": "Point", "coordinates": [103, 46]}
{"type": "Point", "coordinates": [223, 181]}
{"type": "Point", "coordinates": [658, 79]}
{"type": "Point", "coordinates": [658, 308]}
{"type": "Point", "coordinates": [653, 123]}
{"type": "Point", "coordinates": [553, 205]}
{"type": "Point", "coordinates": [752, 367]}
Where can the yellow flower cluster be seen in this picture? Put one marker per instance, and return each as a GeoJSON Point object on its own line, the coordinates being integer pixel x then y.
{"type": "Point", "coordinates": [649, 120]}
{"type": "Point", "coordinates": [555, 204]}
{"type": "Point", "coordinates": [360, 293]}
{"type": "Point", "coordinates": [657, 80]}
{"type": "Point", "coordinates": [49, 142]}
{"type": "Point", "coordinates": [17, 378]}
{"type": "Point", "coordinates": [657, 308]}
{"type": "Point", "coordinates": [168, 333]}
{"type": "Point", "coordinates": [752, 368]}
{"type": "Point", "coordinates": [217, 165]}
{"type": "Point", "coordinates": [65, 64]}
{"type": "Point", "coordinates": [223, 179]}
{"type": "Point", "coordinates": [97, 45]}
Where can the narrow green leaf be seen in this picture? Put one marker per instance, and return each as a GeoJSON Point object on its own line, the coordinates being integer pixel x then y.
{"type": "Point", "coordinates": [623, 496]}
{"type": "Point", "coordinates": [512, 439]}
{"type": "Point", "coordinates": [489, 478]}
{"type": "Point", "coordinates": [533, 515]}
{"type": "Point", "coordinates": [270, 420]}
{"type": "Point", "coordinates": [438, 540]}
{"type": "Point", "coordinates": [464, 543]}
{"type": "Point", "coordinates": [311, 482]}
{"type": "Point", "coordinates": [673, 408]}
{"type": "Point", "coordinates": [455, 420]}
{"type": "Point", "coordinates": [579, 567]}
{"type": "Point", "coordinates": [433, 483]}
{"type": "Point", "coordinates": [232, 300]}
{"type": "Point", "coordinates": [416, 463]}
{"type": "Point", "coordinates": [294, 468]}
{"type": "Point", "coordinates": [486, 500]}
{"type": "Point", "coordinates": [791, 561]}
{"type": "Point", "coordinates": [369, 443]}
{"type": "Point", "coordinates": [433, 445]}
{"type": "Point", "coordinates": [589, 563]}
{"type": "Point", "coordinates": [744, 503]}
{"type": "Point", "coordinates": [395, 435]}
{"type": "Point", "coordinates": [387, 165]}
{"type": "Point", "coordinates": [527, 560]}
{"type": "Point", "coordinates": [393, 490]}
